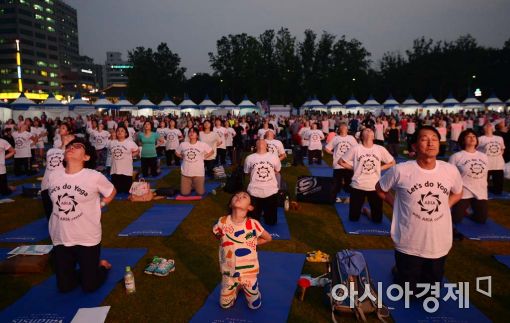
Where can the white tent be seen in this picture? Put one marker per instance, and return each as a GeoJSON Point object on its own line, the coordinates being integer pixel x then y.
{"type": "Point", "coordinates": [494, 103]}
{"type": "Point", "coordinates": [5, 111]}
{"type": "Point", "coordinates": [471, 103]}
{"type": "Point", "coordinates": [229, 105]}
{"type": "Point", "coordinates": [78, 106]}
{"type": "Point", "coordinates": [167, 106]}
{"type": "Point", "coordinates": [124, 105]}
{"type": "Point", "coordinates": [372, 106]}
{"type": "Point", "coordinates": [451, 104]}
{"type": "Point", "coordinates": [334, 106]}
{"type": "Point", "coordinates": [410, 105]}
{"type": "Point", "coordinates": [221, 112]}
{"type": "Point", "coordinates": [103, 104]}
{"type": "Point", "coordinates": [54, 108]}
{"type": "Point", "coordinates": [145, 107]}
{"type": "Point", "coordinates": [431, 104]}
{"type": "Point", "coordinates": [315, 105]}
{"type": "Point", "coordinates": [353, 106]}
{"type": "Point", "coordinates": [26, 107]}
{"type": "Point", "coordinates": [207, 106]}
{"type": "Point", "coordinates": [390, 104]}
{"type": "Point", "coordinates": [188, 106]}
{"type": "Point", "coordinates": [246, 106]}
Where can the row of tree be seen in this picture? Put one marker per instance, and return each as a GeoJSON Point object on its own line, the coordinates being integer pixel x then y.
{"type": "Point", "coordinates": [275, 66]}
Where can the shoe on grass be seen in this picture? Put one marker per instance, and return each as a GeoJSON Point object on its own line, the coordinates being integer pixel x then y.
{"type": "Point", "coordinates": [165, 268]}
{"type": "Point", "coordinates": [151, 268]}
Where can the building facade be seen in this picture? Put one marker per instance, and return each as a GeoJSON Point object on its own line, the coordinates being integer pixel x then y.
{"type": "Point", "coordinates": [115, 69]}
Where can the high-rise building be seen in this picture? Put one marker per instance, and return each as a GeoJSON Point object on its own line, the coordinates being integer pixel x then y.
{"type": "Point", "coordinates": [115, 69]}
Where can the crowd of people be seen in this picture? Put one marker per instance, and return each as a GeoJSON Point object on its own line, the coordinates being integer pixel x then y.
{"type": "Point", "coordinates": [388, 158]}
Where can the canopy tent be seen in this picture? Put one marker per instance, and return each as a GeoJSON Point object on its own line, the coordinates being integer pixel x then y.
{"type": "Point", "coordinates": [372, 106]}
{"type": "Point", "coordinates": [188, 106]}
{"type": "Point", "coordinates": [24, 106]}
{"type": "Point", "coordinates": [229, 105]}
{"type": "Point", "coordinates": [494, 103]}
{"type": "Point", "coordinates": [78, 106]}
{"type": "Point", "coordinates": [5, 111]}
{"type": "Point", "coordinates": [315, 105]}
{"type": "Point", "coordinates": [301, 110]}
{"type": "Point", "coordinates": [123, 105]}
{"type": "Point", "coordinates": [145, 107]}
{"type": "Point", "coordinates": [431, 104]}
{"type": "Point", "coordinates": [451, 104]}
{"type": "Point", "coordinates": [334, 106]}
{"type": "Point", "coordinates": [390, 104]}
{"type": "Point", "coordinates": [207, 105]}
{"type": "Point", "coordinates": [246, 106]}
{"type": "Point", "coordinates": [353, 106]}
{"type": "Point", "coordinates": [472, 103]}
{"type": "Point", "coordinates": [410, 105]}
{"type": "Point", "coordinates": [103, 104]}
{"type": "Point", "coordinates": [167, 106]}
{"type": "Point", "coordinates": [54, 108]}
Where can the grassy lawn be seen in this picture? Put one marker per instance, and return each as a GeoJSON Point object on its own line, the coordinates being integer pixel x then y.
{"type": "Point", "coordinates": [177, 297]}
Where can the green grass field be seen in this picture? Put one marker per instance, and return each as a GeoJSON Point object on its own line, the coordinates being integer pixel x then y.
{"type": "Point", "coordinates": [177, 297]}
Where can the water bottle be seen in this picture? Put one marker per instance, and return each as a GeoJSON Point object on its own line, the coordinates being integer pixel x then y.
{"type": "Point", "coordinates": [286, 205]}
{"type": "Point", "coordinates": [129, 281]}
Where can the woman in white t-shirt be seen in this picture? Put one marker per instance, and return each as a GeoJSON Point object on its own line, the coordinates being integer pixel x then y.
{"type": "Point", "coordinates": [6, 152]}
{"type": "Point", "coordinates": [367, 160]}
{"type": "Point", "coordinates": [38, 131]}
{"type": "Point", "coordinates": [122, 150]}
{"type": "Point", "coordinates": [473, 166]}
{"type": "Point", "coordinates": [229, 140]}
{"type": "Point", "coordinates": [78, 192]}
{"type": "Point", "coordinates": [314, 137]}
{"type": "Point", "coordinates": [494, 147]}
{"type": "Point", "coordinates": [302, 133]}
{"type": "Point", "coordinates": [22, 139]}
{"type": "Point", "coordinates": [213, 140]}
{"type": "Point", "coordinates": [173, 138]}
{"type": "Point", "coordinates": [101, 141]}
{"type": "Point", "coordinates": [443, 142]}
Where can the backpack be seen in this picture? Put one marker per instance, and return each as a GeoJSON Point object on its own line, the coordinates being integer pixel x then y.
{"type": "Point", "coordinates": [349, 266]}
{"type": "Point", "coordinates": [234, 181]}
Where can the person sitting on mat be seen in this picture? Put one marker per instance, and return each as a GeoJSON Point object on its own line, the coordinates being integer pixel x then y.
{"type": "Point", "coordinates": [239, 236]}
{"type": "Point", "coordinates": [75, 222]}
{"type": "Point", "coordinates": [473, 166]}
{"type": "Point", "coordinates": [424, 191]}
{"type": "Point", "coordinates": [262, 167]}
{"type": "Point", "coordinates": [193, 153]}
{"type": "Point", "coordinates": [367, 160]}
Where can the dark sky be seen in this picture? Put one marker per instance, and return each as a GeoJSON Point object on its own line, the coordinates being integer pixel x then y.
{"type": "Point", "coordinates": [191, 27]}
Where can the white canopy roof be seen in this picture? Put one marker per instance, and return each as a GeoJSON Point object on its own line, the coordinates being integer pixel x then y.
{"type": "Point", "coordinates": [207, 103]}
{"type": "Point", "coordinates": [352, 102]}
{"type": "Point", "coordinates": [410, 101]}
{"type": "Point", "coordinates": [450, 101]}
{"type": "Point", "coordinates": [246, 103]}
{"type": "Point", "coordinates": [390, 102]}
{"type": "Point", "coordinates": [333, 102]}
{"type": "Point", "coordinates": [226, 102]}
{"type": "Point", "coordinates": [371, 102]}
{"type": "Point", "coordinates": [79, 102]}
{"type": "Point", "coordinates": [102, 102]}
{"type": "Point", "coordinates": [145, 103]}
{"type": "Point", "coordinates": [430, 101]}
{"type": "Point", "coordinates": [166, 103]}
{"type": "Point", "coordinates": [22, 103]}
{"type": "Point", "coordinates": [493, 99]}
{"type": "Point", "coordinates": [313, 103]}
{"type": "Point", "coordinates": [471, 100]}
{"type": "Point", "coordinates": [52, 101]}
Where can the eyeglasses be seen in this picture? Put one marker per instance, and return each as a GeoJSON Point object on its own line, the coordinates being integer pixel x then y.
{"type": "Point", "coordinates": [76, 145]}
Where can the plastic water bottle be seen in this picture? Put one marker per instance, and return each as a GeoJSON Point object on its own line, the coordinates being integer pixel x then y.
{"type": "Point", "coordinates": [129, 281]}
{"type": "Point", "coordinates": [286, 205]}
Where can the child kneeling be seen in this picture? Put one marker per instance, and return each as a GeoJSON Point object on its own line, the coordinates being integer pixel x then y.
{"type": "Point", "coordinates": [239, 236]}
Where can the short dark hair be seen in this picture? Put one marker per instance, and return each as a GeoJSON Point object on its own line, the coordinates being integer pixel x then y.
{"type": "Point", "coordinates": [414, 138]}
{"type": "Point", "coordinates": [89, 151]}
{"type": "Point", "coordinates": [462, 138]}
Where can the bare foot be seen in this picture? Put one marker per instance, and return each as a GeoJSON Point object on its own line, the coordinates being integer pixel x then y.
{"type": "Point", "coordinates": [104, 263]}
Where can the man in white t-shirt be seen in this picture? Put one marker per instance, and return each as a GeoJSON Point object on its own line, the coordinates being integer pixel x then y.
{"type": "Point", "coordinates": [421, 228]}
{"type": "Point", "coordinates": [455, 129]}
{"type": "Point", "coordinates": [338, 147]}
{"type": "Point", "coordinates": [314, 137]}
{"type": "Point", "coordinates": [221, 152]}
{"type": "Point", "coordinates": [23, 139]}
{"type": "Point", "coordinates": [367, 161]}
{"type": "Point", "coordinates": [6, 152]}
{"type": "Point", "coordinates": [173, 138]}
{"type": "Point", "coordinates": [193, 154]}
{"type": "Point", "coordinates": [274, 146]}
{"type": "Point", "coordinates": [262, 167]}
{"type": "Point", "coordinates": [494, 147]}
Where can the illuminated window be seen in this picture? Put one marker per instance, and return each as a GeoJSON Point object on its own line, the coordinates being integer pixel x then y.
{"type": "Point", "coordinates": [44, 73]}
{"type": "Point", "coordinates": [48, 10]}
{"type": "Point", "coordinates": [38, 7]}
{"type": "Point", "coordinates": [48, 1]}
{"type": "Point", "coordinates": [6, 81]}
{"type": "Point", "coordinates": [41, 83]}
{"type": "Point", "coordinates": [53, 75]}
{"type": "Point", "coordinates": [48, 19]}
{"type": "Point", "coordinates": [54, 83]}
{"type": "Point", "coordinates": [39, 17]}
{"type": "Point", "coordinates": [41, 63]}
{"type": "Point", "coordinates": [53, 65]}
{"type": "Point", "coordinates": [51, 29]}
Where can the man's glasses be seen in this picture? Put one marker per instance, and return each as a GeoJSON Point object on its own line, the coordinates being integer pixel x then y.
{"type": "Point", "coordinates": [75, 145]}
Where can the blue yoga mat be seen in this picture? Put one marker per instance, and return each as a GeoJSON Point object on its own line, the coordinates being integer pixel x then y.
{"type": "Point", "coordinates": [489, 231]}
{"type": "Point", "coordinates": [43, 303]}
{"type": "Point", "coordinates": [137, 163]}
{"type": "Point", "coordinates": [23, 177]}
{"type": "Point", "coordinates": [32, 232]}
{"type": "Point", "coordinates": [279, 231]}
{"type": "Point", "coordinates": [380, 263]}
{"type": "Point", "coordinates": [504, 259]}
{"type": "Point", "coordinates": [279, 273]}
{"type": "Point", "coordinates": [121, 196]}
{"type": "Point", "coordinates": [317, 170]}
{"type": "Point", "coordinates": [163, 173]}
{"type": "Point", "coordinates": [160, 220]}
{"type": "Point", "coordinates": [505, 196]}
{"type": "Point", "coordinates": [363, 225]}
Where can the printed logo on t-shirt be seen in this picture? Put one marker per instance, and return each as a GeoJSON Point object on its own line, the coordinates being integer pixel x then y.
{"type": "Point", "coordinates": [368, 166]}
{"type": "Point", "coordinates": [342, 148]}
{"type": "Point", "coordinates": [19, 142]}
{"type": "Point", "coordinates": [272, 149]}
{"type": "Point", "coordinates": [493, 149]}
{"type": "Point", "coordinates": [117, 152]}
{"type": "Point", "coordinates": [191, 155]}
{"type": "Point", "coordinates": [262, 171]}
{"type": "Point", "coordinates": [476, 168]}
{"type": "Point", "coordinates": [429, 203]}
{"type": "Point", "coordinates": [315, 137]}
{"type": "Point", "coordinates": [170, 137]}
{"type": "Point", "coordinates": [99, 140]}
{"type": "Point", "coordinates": [54, 161]}
{"type": "Point", "coordinates": [66, 203]}
{"type": "Point", "coordinates": [430, 200]}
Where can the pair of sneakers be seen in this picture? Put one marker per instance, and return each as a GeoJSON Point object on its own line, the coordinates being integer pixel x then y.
{"type": "Point", "coordinates": [160, 267]}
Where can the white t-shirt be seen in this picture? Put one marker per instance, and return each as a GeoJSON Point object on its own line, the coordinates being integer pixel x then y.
{"type": "Point", "coordinates": [325, 126]}
{"type": "Point", "coordinates": [229, 139]}
{"type": "Point", "coordinates": [379, 131]}
{"type": "Point", "coordinates": [172, 138]}
{"type": "Point", "coordinates": [314, 139]}
{"type": "Point", "coordinates": [493, 147]}
{"type": "Point", "coordinates": [4, 146]}
{"type": "Point", "coordinates": [54, 162]}
{"type": "Point", "coordinates": [473, 168]}
{"type": "Point", "coordinates": [222, 133]}
{"type": "Point", "coordinates": [366, 163]}
{"type": "Point", "coordinates": [340, 145]}
{"type": "Point", "coordinates": [275, 147]}
{"type": "Point", "coordinates": [162, 132]}
{"type": "Point", "coordinates": [122, 157]}
{"type": "Point", "coordinates": [422, 222]}
{"type": "Point", "coordinates": [101, 139]}
{"type": "Point", "coordinates": [456, 129]}
{"type": "Point", "coordinates": [262, 169]}
{"type": "Point", "coordinates": [442, 132]}
{"type": "Point", "coordinates": [211, 139]}
{"type": "Point", "coordinates": [92, 136]}
{"type": "Point", "coordinates": [111, 124]}
{"type": "Point", "coordinates": [76, 216]}
{"type": "Point", "coordinates": [303, 134]}
{"type": "Point", "coordinates": [193, 157]}
{"type": "Point", "coordinates": [262, 132]}
{"type": "Point", "coordinates": [36, 131]}
{"type": "Point", "coordinates": [22, 141]}
{"type": "Point", "coordinates": [132, 133]}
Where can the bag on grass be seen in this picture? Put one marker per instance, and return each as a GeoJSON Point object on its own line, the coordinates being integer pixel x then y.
{"type": "Point", "coordinates": [140, 188]}
{"type": "Point", "coordinates": [219, 172]}
{"type": "Point", "coordinates": [349, 267]}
